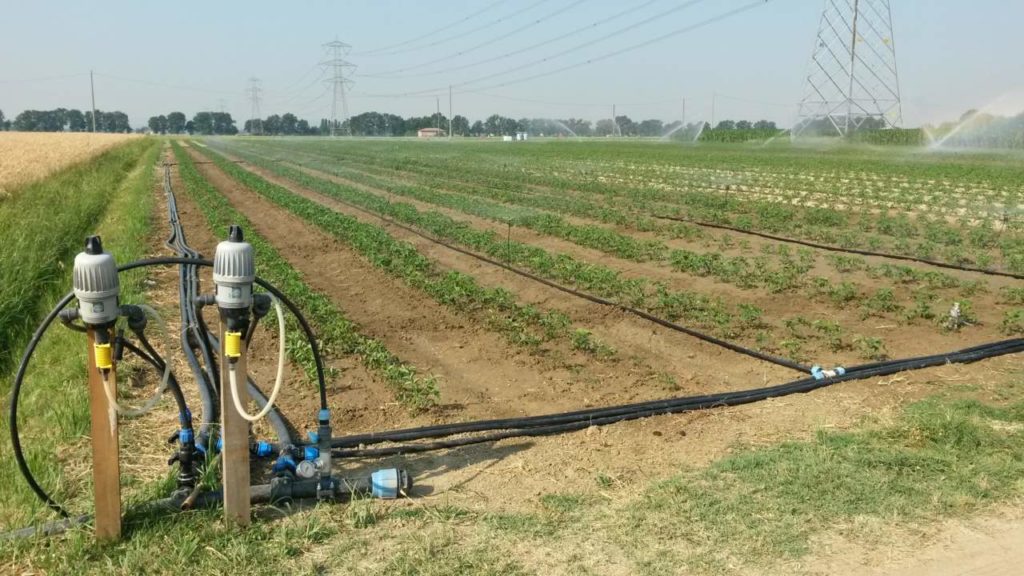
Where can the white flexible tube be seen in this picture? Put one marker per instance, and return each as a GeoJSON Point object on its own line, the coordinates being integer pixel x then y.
{"type": "Point", "coordinates": [233, 378]}
{"type": "Point", "coordinates": [109, 387]}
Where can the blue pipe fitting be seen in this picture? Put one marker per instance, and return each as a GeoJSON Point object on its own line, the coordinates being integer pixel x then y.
{"type": "Point", "coordinates": [262, 449]}
{"type": "Point", "coordinates": [284, 463]}
{"type": "Point", "coordinates": [821, 374]}
{"type": "Point", "coordinates": [384, 484]}
{"type": "Point", "coordinates": [323, 416]}
{"type": "Point", "coordinates": [310, 453]}
{"type": "Point", "coordinates": [313, 437]}
{"type": "Point", "coordinates": [186, 436]}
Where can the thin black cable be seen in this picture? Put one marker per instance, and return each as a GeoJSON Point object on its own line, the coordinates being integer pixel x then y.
{"type": "Point", "coordinates": [831, 248]}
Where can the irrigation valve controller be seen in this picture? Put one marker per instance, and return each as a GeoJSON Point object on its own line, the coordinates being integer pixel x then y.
{"type": "Point", "coordinates": [96, 285]}
{"type": "Point", "coordinates": [234, 271]}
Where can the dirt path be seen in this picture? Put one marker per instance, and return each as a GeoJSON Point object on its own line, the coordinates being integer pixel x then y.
{"type": "Point", "coordinates": [980, 547]}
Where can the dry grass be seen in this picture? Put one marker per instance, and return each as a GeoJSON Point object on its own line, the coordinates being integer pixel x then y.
{"type": "Point", "coordinates": [29, 156]}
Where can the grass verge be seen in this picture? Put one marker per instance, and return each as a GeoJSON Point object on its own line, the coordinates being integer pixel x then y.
{"type": "Point", "coordinates": [116, 191]}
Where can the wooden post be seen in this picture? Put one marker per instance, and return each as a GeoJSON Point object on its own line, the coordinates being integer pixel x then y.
{"type": "Point", "coordinates": [235, 435]}
{"type": "Point", "coordinates": [106, 467]}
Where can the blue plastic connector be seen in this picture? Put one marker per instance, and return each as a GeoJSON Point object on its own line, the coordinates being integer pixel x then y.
{"type": "Point", "coordinates": [324, 415]}
{"type": "Point", "coordinates": [284, 463]}
{"type": "Point", "coordinates": [313, 437]}
{"type": "Point", "coordinates": [262, 449]}
{"type": "Point", "coordinates": [820, 374]}
{"type": "Point", "coordinates": [384, 484]}
{"type": "Point", "coordinates": [186, 436]}
{"type": "Point", "coordinates": [310, 453]}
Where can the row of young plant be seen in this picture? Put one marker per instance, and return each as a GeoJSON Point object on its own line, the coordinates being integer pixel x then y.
{"type": "Point", "coordinates": [791, 274]}
{"type": "Point", "coordinates": [338, 334]}
{"type": "Point", "coordinates": [522, 325]}
{"type": "Point", "coordinates": [696, 309]}
{"type": "Point", "coordinates": [936, 238]}
{"type": "Point", "coordinates": [924, 235]}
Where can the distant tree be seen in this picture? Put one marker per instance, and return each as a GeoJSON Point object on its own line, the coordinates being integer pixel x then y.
{"type": "Point", "coordinates": [289, 123]}
{"type": "Point", "coordinates": [76, 121]}
{"type": "Point", "coordinates": [202, 123]}
{"type": "Point", "coordinates": [651, 128]}
{"type": "Point", "coordinates": [272, 125]}
{"type": "Point", "coordinates": [579, 126]}
{"type": "Point", "coordinates": [726, 125]}
{"type": "Point", "coordinates": [176, 122]}
{"type": "Point", "coordinates": [460, 125]}
{"type": "Point", "coordinates": [477, 129]}
{"type": "Point", "coordinates": [744, 125]}
{"type": "Point", "coordinates": [190, 127]}
{"type": "Point", "coordinates": [394, 125]}
{"type": "Point", "coordinates": [494, 123]}
{"type": "Point", "coordinates": [626, 127]}
{"type": "Point", "coordinates": [158, 124]}
{"type": "Point", "coordinates": [3, 121]}
{"type": "Point", "coordinates": [302, 127]}
{"type": "Point", "coordinates": [604, 127]}
{"type": "Point", "coordinates": [765, 125]}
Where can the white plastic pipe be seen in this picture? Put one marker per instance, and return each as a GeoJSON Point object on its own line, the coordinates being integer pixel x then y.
{"type": "Point", "coordinates": [233, 378]}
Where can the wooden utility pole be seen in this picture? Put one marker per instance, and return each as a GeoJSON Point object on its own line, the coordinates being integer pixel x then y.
{"type": "Point", "coordinates": [92, 90]}
{"type": "Point", "coordinates": [106, 467]}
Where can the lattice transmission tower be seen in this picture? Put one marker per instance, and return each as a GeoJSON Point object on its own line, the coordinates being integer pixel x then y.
{"type": "Point", "coordinates": [255, 94]}
{"type": "Point", "coordinates": [852, 80]}
{"type": "Point", "coordinates": [338, 67]}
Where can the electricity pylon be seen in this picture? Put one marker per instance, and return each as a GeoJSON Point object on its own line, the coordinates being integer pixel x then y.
{"type": "Point", "coordinates": [255, 92]}
{"type": "Point", "coordinates": [853, 80]}
{"type": "Point", "coordinates": [336, 63]}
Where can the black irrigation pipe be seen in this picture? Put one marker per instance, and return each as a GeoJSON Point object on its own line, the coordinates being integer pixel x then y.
{"type": "Point", "coordinates": [784, 362]}
{"type": "Point", "coordinates": [572, 421]}
{"type": "Point", "coordinates": [832, 248]}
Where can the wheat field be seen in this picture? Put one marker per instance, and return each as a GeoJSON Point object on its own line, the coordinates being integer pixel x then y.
{"type": "Point", "coordinates": [28, 156]}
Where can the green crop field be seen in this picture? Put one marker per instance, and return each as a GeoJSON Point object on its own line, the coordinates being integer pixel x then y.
{"type": "Point", "coordinates": [454, 281]}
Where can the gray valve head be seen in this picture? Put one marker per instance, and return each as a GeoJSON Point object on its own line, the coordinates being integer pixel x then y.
{"type": "Point", "coordinates": [234, 270]}
{"type": "Point", "coordinates": [95, 282]}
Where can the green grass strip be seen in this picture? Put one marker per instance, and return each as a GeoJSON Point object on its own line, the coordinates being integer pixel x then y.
{"type": "Point", "coordinates": [336, 332]}
{"type": "Point", "coordinates": [115, 190]}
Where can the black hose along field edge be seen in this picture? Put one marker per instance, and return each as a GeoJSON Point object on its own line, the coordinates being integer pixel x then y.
{"type": "Point", "coordinates": [779, 361]}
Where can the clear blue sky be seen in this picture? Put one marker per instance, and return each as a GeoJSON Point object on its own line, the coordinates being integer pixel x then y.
{"type": "Point", "coordinates": [155, 57]}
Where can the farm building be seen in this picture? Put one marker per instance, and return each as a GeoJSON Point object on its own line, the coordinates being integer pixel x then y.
{"type": "Point", "coordinates": [430, 132]}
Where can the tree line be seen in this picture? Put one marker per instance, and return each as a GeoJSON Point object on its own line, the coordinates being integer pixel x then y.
{"type": "Point", "coordinates": [66, 120]}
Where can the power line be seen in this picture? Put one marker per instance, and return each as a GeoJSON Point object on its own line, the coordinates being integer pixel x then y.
{"type": "Point", "coordinates": [586, 44]}
{"type": "Point", "coordinates": [488, 42]}
{"type": "Point", "coordinates": [590, 26]}
{"type": "Point", "coordinates": [431, 33]}
{"type": "Point", "coordinates": [458, 35]}
{"type": "Point", "coordinates": [163, 84]}
{"type": "Point", "coordinates": [637, 46]}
